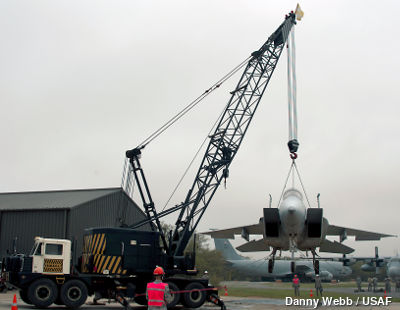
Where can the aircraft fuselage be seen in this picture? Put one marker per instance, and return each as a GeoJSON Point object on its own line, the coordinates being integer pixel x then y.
{"type": "Point", "coordinates": [393, 268]}
{"type": "Point", "coordinates": [293, 230]}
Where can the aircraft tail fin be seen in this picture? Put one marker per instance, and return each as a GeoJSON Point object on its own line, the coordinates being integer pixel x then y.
{"type": "Point", "coordinates": [227, 250]}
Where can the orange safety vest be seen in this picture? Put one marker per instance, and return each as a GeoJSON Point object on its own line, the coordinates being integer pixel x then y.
{"type": "Point", "coordinates": [295, 280]}
{"type": "Point", "coordinates": [155, 292]}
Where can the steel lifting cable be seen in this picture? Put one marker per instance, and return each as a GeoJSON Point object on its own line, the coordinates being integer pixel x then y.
{"type": "Point", "coordinates": [292, 89]}
{"type": "Point", "coordinates": [191, 105]}
{"type": "Point", "coordinates": [284, 186]}
{"type": "Point", "coordinates": [292, 94]}
{"type": "Point", "coordinates": [194, 158]}
{"type": "Point", "coordinates": [289, 76]}
{"type": "Point", "coordinates": [301, 182]}
{"type": "Point", "coordinates": [294, 84]}
{"type": "Point", "coordinates": [293, 165]}
{"type": "Point", "coordinates": [124, 173]}
{"type": "Point", "coordinates": [180, 114]}
{"type": "Point", "coordinates": [126, 182]}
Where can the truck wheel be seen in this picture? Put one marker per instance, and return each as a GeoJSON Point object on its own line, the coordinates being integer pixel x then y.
{"type": "Point", "coordinates": [194, 299]}
{"type": "Point", "coordinates": [73, 294]}
{"type": "Point", "coordinates": [24, 297]}
{"type": "Point", "coordinates": [42, 293]}
{"type": "Point", "coordinates": [175, 297]}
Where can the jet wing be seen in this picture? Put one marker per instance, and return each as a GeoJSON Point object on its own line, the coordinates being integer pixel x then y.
{"type": "Point", "coordinates": [335, 247]}
{"type": "Point", "coordinates": [359, 234]}
{"type": "Point", "coordinates": [245, 231]}
{"type": "Point", "coordinates": [253, 246]}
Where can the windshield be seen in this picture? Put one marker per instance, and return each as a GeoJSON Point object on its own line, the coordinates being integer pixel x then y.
{"type": "Point", "coordinates": [37, 249]}
{"type": "Point", "coordinates": [33, 249]}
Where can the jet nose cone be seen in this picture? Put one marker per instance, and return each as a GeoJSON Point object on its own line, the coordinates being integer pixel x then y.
{"type": "Point", "coordinates": [291, 209]}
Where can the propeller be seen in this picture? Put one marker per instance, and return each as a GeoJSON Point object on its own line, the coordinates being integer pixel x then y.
{"type": "Point", "coordinates": [379, 262]}
{"type": "Point", "coordinates": [373, 264]}
{"type": "Point", "coordinates": [347, 261]}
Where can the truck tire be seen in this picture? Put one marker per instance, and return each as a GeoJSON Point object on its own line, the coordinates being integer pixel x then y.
{"type": "Point", "coordinates": [73, 294]}
{"type": "Point", "coordinates": [24, 297]}
{"type": "Point", "coordinates": [194, 299]}
{"type": "Point", "coordinates": [42, 293]}
{"type": "Point", "coordinates": [175, 297]}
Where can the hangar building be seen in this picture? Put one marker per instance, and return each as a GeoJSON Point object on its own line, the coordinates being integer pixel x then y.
{"type": "Point", "coordinates": [62, 214]}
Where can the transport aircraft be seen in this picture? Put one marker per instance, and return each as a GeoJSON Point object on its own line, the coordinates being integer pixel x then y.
{"type": "Point", "coordinates": [292, 227]}
{"type": "Point", "coordinates": [376, 263]}
{"type": "Point", "coordinates": [304, 268]}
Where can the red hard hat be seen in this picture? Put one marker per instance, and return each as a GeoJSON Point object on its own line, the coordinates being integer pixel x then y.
{"type": "Point", "coordinates": [158, 271]}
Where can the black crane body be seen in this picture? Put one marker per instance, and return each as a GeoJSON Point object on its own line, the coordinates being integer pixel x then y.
{"type": "Point", "coordinates": [223, 145]}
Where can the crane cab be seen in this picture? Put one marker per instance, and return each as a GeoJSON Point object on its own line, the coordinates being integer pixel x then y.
{"type": "Point", "coordinates": [120, 251]}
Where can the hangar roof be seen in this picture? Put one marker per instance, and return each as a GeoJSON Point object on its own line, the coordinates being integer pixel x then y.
{"type": "Point", "coordinates": [60, 199]}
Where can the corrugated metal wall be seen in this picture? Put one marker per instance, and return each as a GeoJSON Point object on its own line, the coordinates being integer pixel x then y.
{"type": "Point", "coordinates": [103, 212]}
{"type": "Point", "coordinates": [25, 225]}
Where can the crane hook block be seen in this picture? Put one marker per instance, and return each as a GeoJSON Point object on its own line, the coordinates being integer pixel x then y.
{"type": "Point", "coordinates": [293, 145]}
{"type": "Point", "coordinates": [293, 156]}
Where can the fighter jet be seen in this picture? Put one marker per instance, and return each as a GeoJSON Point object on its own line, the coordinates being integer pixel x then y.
{"type": "Point", "coordinates": [304, 269]}
{"type": "Point", "coordinates": [294, 227]}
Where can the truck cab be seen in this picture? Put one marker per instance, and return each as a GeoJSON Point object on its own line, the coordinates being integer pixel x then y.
{"type": "Point", "coordinates": [44, 276]}
{"type": "Point", "coordinates": [51, 256]}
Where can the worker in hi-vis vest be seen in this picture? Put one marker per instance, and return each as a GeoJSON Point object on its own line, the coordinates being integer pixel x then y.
{"type": "Point", "coordinates": [296, 285]}
{"type": "Point", "coordinates": [157, 293]}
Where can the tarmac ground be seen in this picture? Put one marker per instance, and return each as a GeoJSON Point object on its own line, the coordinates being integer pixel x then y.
{"type": "Point", "coordinates": [231, 302]}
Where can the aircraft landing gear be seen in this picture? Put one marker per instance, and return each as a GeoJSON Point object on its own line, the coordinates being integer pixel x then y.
{"type": "Point", "coordinates": [270, 265]}
{"type": "Point", "coordinates": [271, 261]}
{"type": "Point", "coordinates": [315, 262]}
{"type": "Point", "coordinates": [292, 267]}
{"type": "Point", "coordinates": [316, 266]}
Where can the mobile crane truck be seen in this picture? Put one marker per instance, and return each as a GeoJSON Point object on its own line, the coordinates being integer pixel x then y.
{"type": "Point", "coordinates": [118, 262]}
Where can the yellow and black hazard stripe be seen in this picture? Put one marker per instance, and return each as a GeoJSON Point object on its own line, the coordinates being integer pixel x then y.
{"type": "Point", "coordinates": [53, 265]}
{"type": "Point", "coordinates": [93, 245]}
{"type": "Point", "coordinates": [110, 263]}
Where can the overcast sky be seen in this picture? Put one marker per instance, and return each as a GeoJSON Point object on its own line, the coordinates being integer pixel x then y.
{"type": "Point", "coordinates": [83, 81]}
